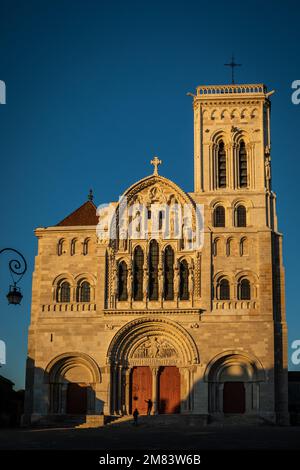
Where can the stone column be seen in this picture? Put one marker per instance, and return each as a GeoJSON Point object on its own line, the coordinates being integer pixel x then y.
{"type": "Point", "coordinates": [63, 398]}
{"type": "Point", "coordinates": [127, 391]}
{"type": "Point", "coordinates": [129, 283]}
{"type": "Point", "coordinates": [219, 403]}
{"type": "Point", "coordinates": [248, 397]}
{"type": "Point", "coordinates": [155, 396]}
{"type": "Point", "coordinates": [229, 165]}
{"type": "Point", "coordinates": [145, 282]}
{"type": "Point", "coordinates": [120, 390]}
{"type": "Point", "coordinates": [235, 167]}
{"type": "Point", "coordinates": [113, 388]}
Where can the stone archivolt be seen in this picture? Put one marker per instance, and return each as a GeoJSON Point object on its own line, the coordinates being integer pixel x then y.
{"type": "Point", "coordinates": [149, 338]}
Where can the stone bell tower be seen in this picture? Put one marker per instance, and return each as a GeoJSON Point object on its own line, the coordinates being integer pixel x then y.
{"type": "Point", "coordinates": [231, 113]}
{"type": "Point", "coordinates": [232, 178]}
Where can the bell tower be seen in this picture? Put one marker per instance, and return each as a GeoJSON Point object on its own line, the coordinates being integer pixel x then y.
{"type": "Point", "coordinates": [232, 138]}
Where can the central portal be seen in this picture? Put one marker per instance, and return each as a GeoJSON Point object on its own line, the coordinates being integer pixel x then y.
{"type": "Point", "coordinates": [166, 390]}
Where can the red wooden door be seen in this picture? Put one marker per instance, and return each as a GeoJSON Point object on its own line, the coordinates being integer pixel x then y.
{"type": "Point", "coordinates": [77, 399]}
{"type": "Point", "coordinates": [169, 390]}
{"type": "Point", "coordinates": [234, 397]}
{"type": "Point", "coordinates": [141, 389]}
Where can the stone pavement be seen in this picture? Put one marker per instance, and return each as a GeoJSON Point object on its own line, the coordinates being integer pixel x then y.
{"type": "Point", "coordinates": [145, 437]}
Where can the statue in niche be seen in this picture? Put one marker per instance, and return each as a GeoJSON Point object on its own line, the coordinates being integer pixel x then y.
{"type": "Point", "coordinates": [173, 217]}
{"type": "Point", "coordinates": [123, 239]}
{"type": "Point", "coordinates": [268, 166]}
{"type": "Point", "coordinates": [137, 222]}
{"type": "Point", "coordinates": [129, 283]}
{"type": "Point", "coordinates": [102, 226]}
{"type": "Point", "coordinates": [191, 277]}
{"type": "Point", "coordinates": [186, 235]}
{"type": "Point", "coordinates": [114, 286]}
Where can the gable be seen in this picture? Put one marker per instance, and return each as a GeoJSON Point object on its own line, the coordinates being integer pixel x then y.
{"type": "Point", "coordinates": [84, 215]}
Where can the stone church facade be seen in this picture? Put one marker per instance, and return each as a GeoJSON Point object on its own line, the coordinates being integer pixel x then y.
{"type": "Point", "coordinates": [197, 329]}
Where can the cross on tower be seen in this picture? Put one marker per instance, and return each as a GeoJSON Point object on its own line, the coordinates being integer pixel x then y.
{"type": "Point", "coordinates": [232, 64]}
{"type": "Point", "coordinates": [156, 162]}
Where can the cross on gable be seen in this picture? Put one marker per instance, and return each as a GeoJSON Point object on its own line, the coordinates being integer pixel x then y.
{"type": "Point", "coordinates": [156, 162]}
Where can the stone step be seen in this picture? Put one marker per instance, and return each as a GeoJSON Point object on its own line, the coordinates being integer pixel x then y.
{"type": "Point", "coordinates": [233, 419]}
{"type": "Point", "coordinates": [160, 420]}
{"type": "Point", "coordinates": [70, 421]}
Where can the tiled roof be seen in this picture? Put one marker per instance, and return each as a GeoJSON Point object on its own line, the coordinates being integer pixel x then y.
{"type": "Point", "coordinates": [84, 215]}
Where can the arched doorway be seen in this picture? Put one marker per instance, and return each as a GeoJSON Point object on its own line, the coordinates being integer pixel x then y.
{"type": "Point", "coordinates": [169, 390]}
{"type": "Point", "coordinates": [151, 359]}
{"type": "Point", "coordinates": [234, 383]}
{"type": "Point", "coordinates": [72, 381]}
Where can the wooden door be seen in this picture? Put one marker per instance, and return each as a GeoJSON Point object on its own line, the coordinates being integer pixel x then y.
{"type": "Point", "coordinates": [234, 397]}
{"type": "Point", "coordinates": [141, 389]}
{"type": "Point", "coordinates": [77, 398]}
{"type": "Point", "coordinates": [169, 390]}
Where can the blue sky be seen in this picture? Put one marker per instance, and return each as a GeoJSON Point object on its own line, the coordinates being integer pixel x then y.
{"type": "Point", "coordinates": [95, 84]}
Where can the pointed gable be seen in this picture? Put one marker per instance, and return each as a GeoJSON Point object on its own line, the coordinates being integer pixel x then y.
{"type": "Point", "coordinates": [84, 215]}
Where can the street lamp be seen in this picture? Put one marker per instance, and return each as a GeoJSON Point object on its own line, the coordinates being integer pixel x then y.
{"type": "Point", "coordinates": [16, 268]}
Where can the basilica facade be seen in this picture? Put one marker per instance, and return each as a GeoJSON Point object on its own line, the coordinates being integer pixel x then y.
{"type": "Point", "coordinates": [165, 301]}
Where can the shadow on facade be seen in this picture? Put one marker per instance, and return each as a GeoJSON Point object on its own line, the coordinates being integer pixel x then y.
{"type": "Point", "coordinates": [64, 394]}
{"type": "Point", "coordinates": [232, 389]}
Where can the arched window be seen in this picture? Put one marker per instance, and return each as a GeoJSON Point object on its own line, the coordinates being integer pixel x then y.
{"type": "Point", "coordinates": [224, 290]}
{"type": "Point", "coordinates": [216, 245]}
{"type": "Point", "coordinates": [219, 216]}
{"type": "Point", "coordinates": [169, 274]}
{"type": "Point", "coordinates": [243, 177]}
{"type": "Point", "coordinates": [244, 290]}
{"type": "Point", "coordinates": [184, 281]}
{"type": "Point", "coordinates": [122, 281]}
{"type": "Point", "coordinates": [138, 266]}
{"type": "Point", "coordinates": [160, 220]}
{"type": "Point", "coordinates": [240, 216]}
{"type": "Point", "coordinates": [221, 165]}
{"type": "Point", "coordinates": [153, 270]}
{"type": "Point", "coordinates": [63, 292]}
{"type": "Point", "coordinates": [86, 244]}
{"type": "Point", "coordinates": [61, 247]}
{"type": "Point", "coordinates": [83, 292]}
{"type": "Point", "coordinates": [73, 246]}
{"type": "Point", "coordinates": [244, 247]}
{"type": "Point", "coordinates": [228, 247]}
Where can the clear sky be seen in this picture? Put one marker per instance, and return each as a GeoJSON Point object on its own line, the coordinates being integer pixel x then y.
{"type": "Point", "coordinates": [95, 86]}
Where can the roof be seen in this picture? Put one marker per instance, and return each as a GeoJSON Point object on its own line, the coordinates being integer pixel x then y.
{"type": "Point", "coordinates": [84, 215]}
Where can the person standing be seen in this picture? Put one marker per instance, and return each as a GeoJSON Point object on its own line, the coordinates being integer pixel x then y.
{"type": "Point", "coordinates": [149, 406]}
{"type": "Point", "coordinates": [135, 417]}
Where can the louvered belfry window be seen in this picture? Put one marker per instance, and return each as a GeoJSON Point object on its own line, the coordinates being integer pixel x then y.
{"type": "Point", "coordinates": [243, 165]}
{"type": "Point", "coordinates": [221, 165]}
